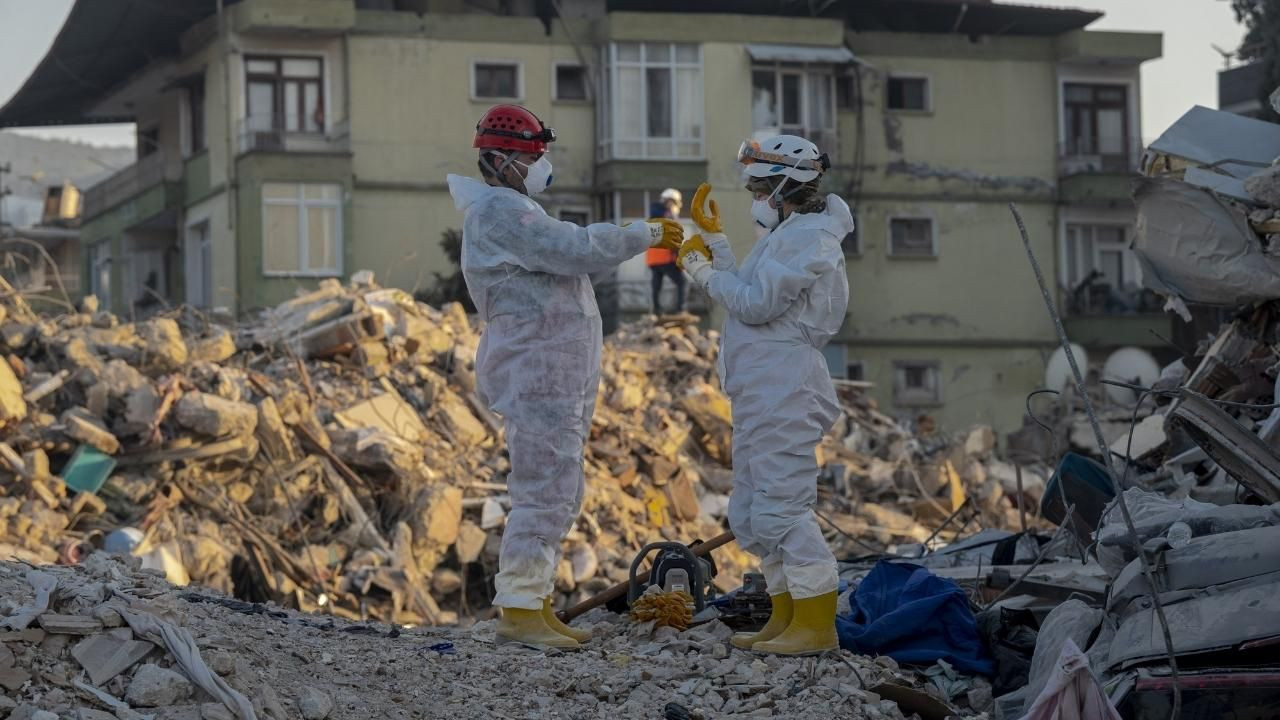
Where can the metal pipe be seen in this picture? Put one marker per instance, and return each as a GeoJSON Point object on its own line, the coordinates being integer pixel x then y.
{"type": "Point", "coordinates": [1106, 456]}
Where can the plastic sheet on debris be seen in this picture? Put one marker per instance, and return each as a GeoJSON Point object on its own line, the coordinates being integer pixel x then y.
{"type": "Point", "coordinates": [1192, 245]}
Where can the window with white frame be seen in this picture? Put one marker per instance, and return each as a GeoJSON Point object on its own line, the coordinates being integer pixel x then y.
{"type": "Point", "coordinates": [100, 271]}
{"type": "Point", "coordinates": [570, 82]}
{"type": "Point", "coordinates": [917, 383]}
{"type": "Point", "coordinates": [911, 237]}
{"type": "Point", "coordinates": [908, 92]}
{"type": "Point", "coordinates": [794, 100]}
{"type": "Point", "coordinates": [1101, 270]}
{"type": "Point", "coordinates": [496, 80]}
{"type": "Point", "coordinates": [652, 95]}
{"type": "Point", "coordinates": [302, 229]}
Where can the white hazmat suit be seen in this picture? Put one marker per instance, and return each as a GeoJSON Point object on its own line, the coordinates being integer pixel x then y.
{"type": "Point", "coordinates": [538, 363]}
{"type": "Point", "coordinates": [785, 302]}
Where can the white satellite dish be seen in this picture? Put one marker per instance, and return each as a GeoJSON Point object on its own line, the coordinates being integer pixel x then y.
{"type": "Point", "coordinates": [1131, 365]}
{"type": "Point", "coordinates": [1057, 374]}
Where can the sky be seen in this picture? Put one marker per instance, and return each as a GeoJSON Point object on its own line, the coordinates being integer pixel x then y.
{"type": "Point", "coordinates": [1185, 76]}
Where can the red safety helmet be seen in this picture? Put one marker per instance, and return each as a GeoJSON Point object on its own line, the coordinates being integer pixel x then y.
{"type": "Point", "coordinates": [511, 127]}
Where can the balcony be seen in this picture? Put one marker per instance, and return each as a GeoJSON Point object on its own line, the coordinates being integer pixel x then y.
{"type": "Point", "coordinates": [1099, 155]}
{"type": "Point", "coordinates": [1099, 315]}
{"type": "Point", "coordinates": [1099, 172]}
{"type": "Point", "coordinates": [289, 134]}
{"type": "Point", "coordinates": [149, 173]}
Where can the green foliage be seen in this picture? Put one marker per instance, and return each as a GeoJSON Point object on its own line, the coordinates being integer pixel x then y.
{"type": "Point", "coordinates": [452, 287]}
{"type": "Point", "coordinates": [1261, 44]}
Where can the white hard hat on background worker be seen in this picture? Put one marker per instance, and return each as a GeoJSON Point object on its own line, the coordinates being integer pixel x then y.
{"type": "Point", "coordinates": [782, 306]}
{"type": "Point", "coordinates": [538, 362]}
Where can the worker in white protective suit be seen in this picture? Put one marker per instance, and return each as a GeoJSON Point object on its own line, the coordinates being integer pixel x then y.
{"type": "Point", "coordinates": [538, 362]}
{"type": "Point", "coordinates": [783, 304]}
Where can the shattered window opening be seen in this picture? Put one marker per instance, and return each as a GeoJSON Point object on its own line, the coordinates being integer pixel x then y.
{"type": "Point", "coordinates": [571, 82]}
{"type": "Point", "coordinates": [908, 93]}
{"type": "Point", "coordinates": [495, 80]}
{"type": "Point", "coordinates": [790, 99]}
{"type": "Point", "coordinates": [917, 383]}
{"type": "Point", "coordinates": [911, 237]}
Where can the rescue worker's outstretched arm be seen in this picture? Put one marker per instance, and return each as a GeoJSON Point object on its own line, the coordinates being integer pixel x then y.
{"type": "Point", "coordinates": [773, 287]}
{"type": "Point", "coordinates": [541, 243]}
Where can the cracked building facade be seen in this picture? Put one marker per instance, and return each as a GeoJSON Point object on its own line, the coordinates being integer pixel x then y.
{"type": "Point", "coordinates": [281, 142]}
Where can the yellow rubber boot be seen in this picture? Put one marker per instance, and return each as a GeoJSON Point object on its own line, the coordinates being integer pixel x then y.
{"type": "Point", "coordinates": [812, 629]}
{"type": "Point", "coordinates": [779, 619]}
{"type": "Point", "coordinates": [529, 627]}
{"type": "Point", "coordinates": [550, 616]}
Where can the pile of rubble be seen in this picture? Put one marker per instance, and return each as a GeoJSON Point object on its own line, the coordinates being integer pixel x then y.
{"type": "Point", "coordinates": [332, 455]}
{"type": "Point", "coordinates": [105, 641]}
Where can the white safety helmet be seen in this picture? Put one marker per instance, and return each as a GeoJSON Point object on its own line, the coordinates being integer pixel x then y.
{"type": "Point", "coordinates": [672, 195]}
{"type": "Point", "coordinates": [787, 155]}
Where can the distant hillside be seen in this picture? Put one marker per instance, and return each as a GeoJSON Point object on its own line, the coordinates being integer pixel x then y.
{"type": "Point", "coordinates": [51, 162]}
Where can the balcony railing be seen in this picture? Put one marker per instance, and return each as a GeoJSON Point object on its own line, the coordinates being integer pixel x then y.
{"type": "Point", "coordinates": [148, 172]}
{"type": "Point", "coordinates": [1099, 155]}
{"type": "Point", "coordinates": [292, 134]}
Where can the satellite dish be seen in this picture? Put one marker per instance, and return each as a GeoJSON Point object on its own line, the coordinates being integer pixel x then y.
{"type": "Point", "coordinates": [1058, 372]}
{"type": "Point", "coordinates": [1131, 365]}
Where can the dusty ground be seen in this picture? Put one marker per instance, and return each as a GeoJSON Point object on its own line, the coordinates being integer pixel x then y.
{"type": "Point", "coordinates": [277, 659]}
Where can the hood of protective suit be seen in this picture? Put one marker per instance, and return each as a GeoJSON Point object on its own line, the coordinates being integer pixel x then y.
{"type": "Point", "coordinates": [466, 191]}
{"type": "Point", "coordinates": [838, 215]}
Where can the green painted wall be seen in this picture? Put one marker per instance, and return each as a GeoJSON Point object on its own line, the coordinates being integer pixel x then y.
{"type": "Point", "coordinates": [111, 227]}
{"type": "Point", "coordinates": [255, 290]}
{"type": "Point", "coordinates": [196, 178]}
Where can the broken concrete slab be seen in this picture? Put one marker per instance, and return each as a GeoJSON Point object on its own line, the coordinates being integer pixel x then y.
{"type": "Point", "coordinates": [69, 624]}
{"type": "Point", "coordinates": [216, 348]}
{"type": "Point", "coordinates": [13, 406]}
{"type": "Point", "coordinates": [165, 347]}
{"type": "Point", "coordinates": [153, 686]}
{"type": "Point", "coordinates": [388, 412]}
{"type": "Point", "coordinates": [215, 416]}
{"type": "Point", "coordinates": [105, 657]}
{"type": "Point", "coordinates": [79, 424]}
{"type": "Point", "coordinates": [1241, 453]}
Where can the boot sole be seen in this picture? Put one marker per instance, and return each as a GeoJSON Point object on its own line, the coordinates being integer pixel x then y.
{"type": "Point", "coordinates": [504, 640]}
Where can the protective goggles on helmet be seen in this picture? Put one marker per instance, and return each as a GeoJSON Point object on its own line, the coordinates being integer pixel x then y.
{"type": "Point", "coordinates": [749, 152]}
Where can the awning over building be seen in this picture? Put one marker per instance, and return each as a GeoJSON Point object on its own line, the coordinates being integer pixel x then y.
{"type": "Point", "coordinates": [801, 54]}
{"type": "Point", "coordinates": [100, 46]}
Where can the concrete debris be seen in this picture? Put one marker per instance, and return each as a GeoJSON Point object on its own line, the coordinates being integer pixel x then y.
{"type": "Point", "coordinates": [215, 416]}
{"type": "Point", "coordinates": [287, 460]}
{"type": "Point", "coordinates": [154, 686]}
{"type": "Point", "coordinates": [295, 665]}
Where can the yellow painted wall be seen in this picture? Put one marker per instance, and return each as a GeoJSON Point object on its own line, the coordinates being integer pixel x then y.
{"type": "Point", "coordinates": [992, 128]}
{"type": "Point", "coordinates": [979, 288]}
{"type": "Point", "coordinates": [428, 117]}
{"type": "Point", "coordinates": [980, 385]}
{"type": "Point", "coordinates": [397, 235]}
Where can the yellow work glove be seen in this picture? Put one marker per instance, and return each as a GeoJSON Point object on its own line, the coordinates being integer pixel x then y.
{"type": "Point", "coordinates": [665, 233]}
{"type": "Point", "coordinates": [708, 221]}
{"type": "Point", "coordinates": [694, 244]}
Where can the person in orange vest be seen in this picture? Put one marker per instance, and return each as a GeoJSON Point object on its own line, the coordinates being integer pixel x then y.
{"type": "Point", "coordinates": [662, 262]}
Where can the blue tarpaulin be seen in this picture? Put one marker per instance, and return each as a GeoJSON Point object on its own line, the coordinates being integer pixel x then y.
{"type": "Point", "coordinates": [913, 616]}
